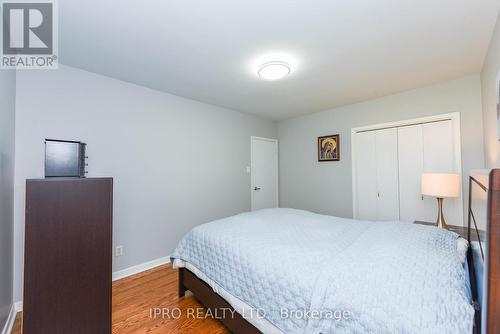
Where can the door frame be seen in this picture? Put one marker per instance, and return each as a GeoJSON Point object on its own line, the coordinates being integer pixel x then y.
{"type": "Point", "coordinates": [252, 138]}
{"type": "Point", "coordinates": [454, 117]}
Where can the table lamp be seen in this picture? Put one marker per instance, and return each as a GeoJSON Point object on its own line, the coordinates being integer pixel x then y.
{"type": "Point", "coordinates": [441, 185]}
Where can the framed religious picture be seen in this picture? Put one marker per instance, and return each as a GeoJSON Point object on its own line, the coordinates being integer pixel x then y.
{"type": "Point", "coordinates": [329, 148]}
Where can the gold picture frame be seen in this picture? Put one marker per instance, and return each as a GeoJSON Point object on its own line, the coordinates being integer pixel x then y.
{"type": "Point", "coordinates": [329, 148]}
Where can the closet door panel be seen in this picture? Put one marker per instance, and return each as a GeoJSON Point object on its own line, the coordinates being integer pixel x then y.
{"type": "Point", "coordinates": [439, 153]}
{"type": "Point", "coordinates": [386, 147]}
{"type": "Point", "coordinates": [439, 157]}
{"type": "Point", "coordinates": [411, 160]}
{"type": "Point", "coordinates": [366, 176]}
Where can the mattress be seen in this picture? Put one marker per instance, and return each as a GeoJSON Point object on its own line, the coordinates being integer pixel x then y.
{"type": "Point", "coordinates": [310, 273]}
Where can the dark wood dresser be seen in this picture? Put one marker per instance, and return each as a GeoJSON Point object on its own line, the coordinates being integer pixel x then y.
{"type": "Point", "coordinates": [68, 254]}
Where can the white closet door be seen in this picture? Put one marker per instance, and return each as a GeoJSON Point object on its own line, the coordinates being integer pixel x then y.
{"type": "Point", "coordinates": [386, 147]}
{"type": "Point", "coordinates": [388, 168]}
{"type": "Point", "coordinates": [439, 153]}
{"type": "Point", "coordinates": [366, 176]}
{"type": "Point", "coordinates": [439, 157]}
{"type": "Point", "coordinates": [411, 162]}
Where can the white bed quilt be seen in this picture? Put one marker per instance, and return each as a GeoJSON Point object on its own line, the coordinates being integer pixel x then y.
{"type": "Point", "coordinates": [309, 273]}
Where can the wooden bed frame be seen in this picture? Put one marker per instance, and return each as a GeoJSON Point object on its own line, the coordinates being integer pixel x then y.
{"type": "Point", "coordinates": [492, 268]}
{"type": "Point", "coordinates": [212, 301]}
{"type": "Point", "coordinates": [238, 324]}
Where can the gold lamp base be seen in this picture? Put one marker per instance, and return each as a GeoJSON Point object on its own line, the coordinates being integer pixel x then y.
{"type": "Point", "coordinates": [440, 221]}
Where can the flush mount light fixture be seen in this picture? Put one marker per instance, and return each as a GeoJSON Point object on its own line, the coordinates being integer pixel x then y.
{"type": "Point", "coordinates": [274, 70]}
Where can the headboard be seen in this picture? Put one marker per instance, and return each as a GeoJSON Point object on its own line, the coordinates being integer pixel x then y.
{"type": "Point", "coordinates": [492, 302]}
{"type": "Point", "coordinates": [487, 318]}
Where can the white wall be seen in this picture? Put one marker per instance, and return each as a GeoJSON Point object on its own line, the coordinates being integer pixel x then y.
{"type": "Point", "coordinates": [176, 163]}
{"type": "Point", "coordinates": [490, 92]}
{"type": "Point", "coordinates": [326, 187]}
{"type": "Point", "coordinates": [7, 110]}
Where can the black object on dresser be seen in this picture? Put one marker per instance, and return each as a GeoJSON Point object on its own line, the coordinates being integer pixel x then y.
{"type": "Point", "coordinates": [68, 255]}
{"type": "Point", "coordinates": [64, 158]}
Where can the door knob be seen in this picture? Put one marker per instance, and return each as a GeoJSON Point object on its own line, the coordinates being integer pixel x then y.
{"type": "Point", "coordinates": [256, 188]}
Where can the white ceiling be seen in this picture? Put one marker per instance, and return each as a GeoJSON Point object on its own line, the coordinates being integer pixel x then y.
{"type": "Point", "coordinates": [345, 50]}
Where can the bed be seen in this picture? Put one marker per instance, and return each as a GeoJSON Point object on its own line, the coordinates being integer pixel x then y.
{"type": "Point", "coordinates": [292, 271]}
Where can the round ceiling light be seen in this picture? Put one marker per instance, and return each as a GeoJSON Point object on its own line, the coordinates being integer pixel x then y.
{"type": "Point", "coordinates": [273, 70]}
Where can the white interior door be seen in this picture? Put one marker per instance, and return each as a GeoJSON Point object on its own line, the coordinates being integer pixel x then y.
{"type": "Point", "coordinates": [264, 173]}
{"type": "Point", "coordinates": [426, 148]}
{"type": "Point", "coordinates": [388, 163]}
{"type": "Point", "coordinates": [386, 146]}
{"type": "Point", "coordinates": [366, 176]}
{"type": "Point", "coordinates": [377, 189]}
{"type": "Point", "coordinates": [439, 157]}
{"type": "Point", "coordinates": [411, 162]}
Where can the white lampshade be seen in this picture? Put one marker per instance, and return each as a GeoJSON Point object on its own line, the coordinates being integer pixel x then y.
{"type": "Point", "coordinates": [441, 185]}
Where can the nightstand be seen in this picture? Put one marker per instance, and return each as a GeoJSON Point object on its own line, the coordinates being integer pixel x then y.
{"type": "Point", "coordinates": [462, 231]}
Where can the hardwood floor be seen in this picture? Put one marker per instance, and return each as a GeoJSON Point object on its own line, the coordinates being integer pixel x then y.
{"type": "Point", "coordinates": [136, 298]}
